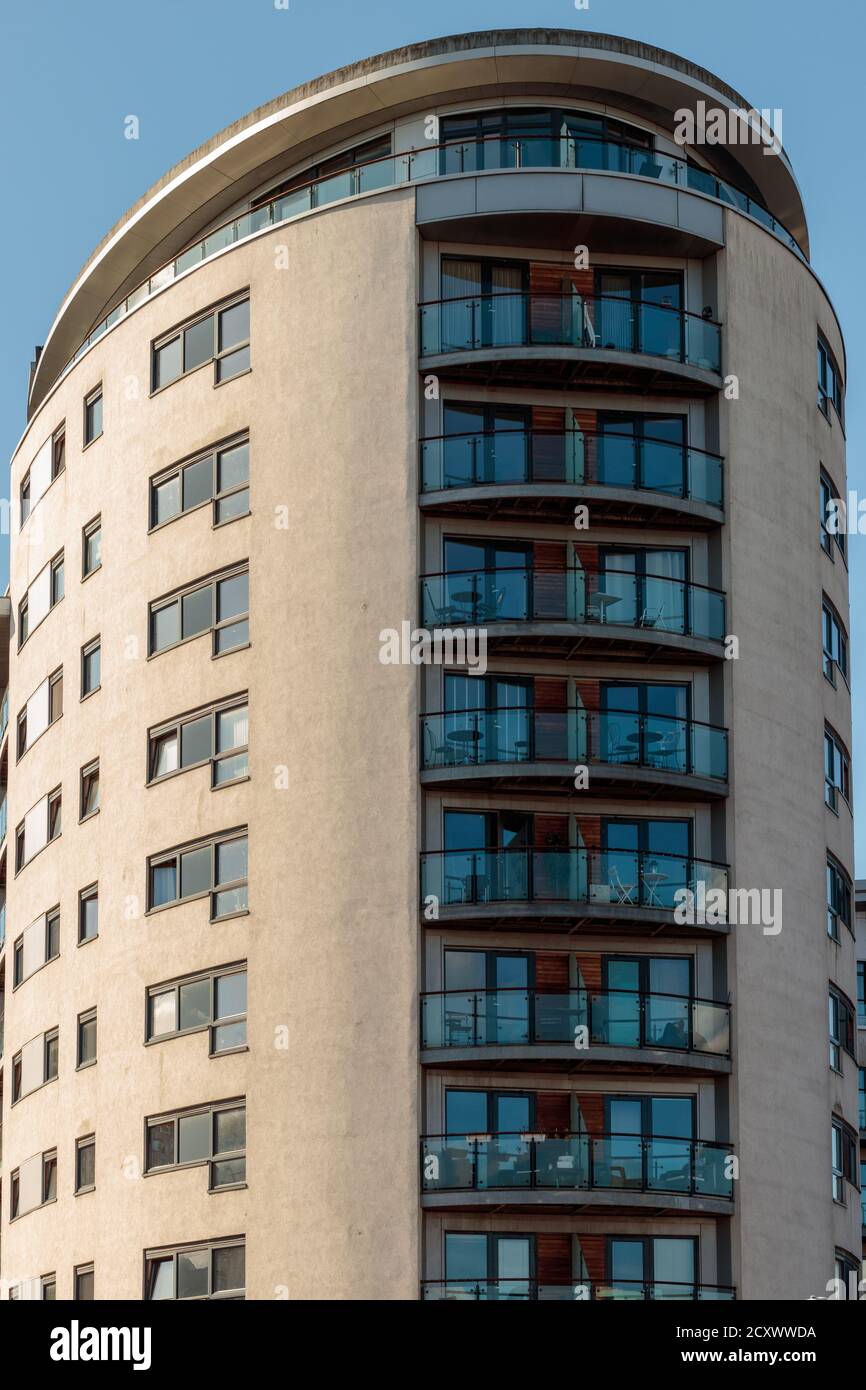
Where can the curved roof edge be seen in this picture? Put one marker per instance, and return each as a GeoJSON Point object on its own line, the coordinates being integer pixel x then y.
{"type": "Point", "coordinates": [359, 95]}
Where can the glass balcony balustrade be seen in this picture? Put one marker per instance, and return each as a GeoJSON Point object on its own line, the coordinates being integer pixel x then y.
{"type": "Point", "coordinates": [577, 1291]}
{"type": "Point", "coordinates": [464, 156]}
{"type": "Point", "coordinates": [512, 319]}
{"type": "Point", "coordinates": [576, 1163]}
{"type": "Point", "coordinates": [611, 598]}
{"type": "Point", "coordinates": [578, 457]}
{"type": "Point", "coordinates": [524, 1018]}
{"type": "Point", "coordinates": [583, 876]}
{"type": "Point", "coordinates": [612, 737]}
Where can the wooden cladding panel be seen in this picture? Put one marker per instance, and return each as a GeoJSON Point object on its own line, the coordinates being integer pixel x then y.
{"type": "Point", "coordinates": [552, 971]}
{"type": "Point", "coordinates": [553, 1259]}
{"type": "Point", "coordinates": [553, 1112]}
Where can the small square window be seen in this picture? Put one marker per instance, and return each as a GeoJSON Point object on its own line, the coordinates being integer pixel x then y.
{"type": "Point", "coordinates": [84, 1284]}
{"type": "Point", "coordinates": [55, 697]}
{"type": "Point", "coordinates": [93, 416]}
{"type": "Point", "coordinates": [55, 807]}
{"type": "Point", "coordinates": [58, 452]}
{"type": "Point", "coordinates": [56, 580]}
{"type": "Point", "coordinates": [49, 1177]}
{"type": "Point", "coordinates": [165, 500]}
{"type": "Point", "coordinates": [167, 362]}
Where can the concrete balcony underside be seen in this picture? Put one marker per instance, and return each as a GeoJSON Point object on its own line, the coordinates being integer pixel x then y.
{"type": "Point", "coordinates": [572, 919]}
{"type": "Point", "coordinates": [551, 367]}
{"type": "Point", "coordinates": [644, 783]}
{"type": "Point", "coordinates": [556, 502]}
{"type": "Point", "coordinates": [565, 1058]}
{"type": "Point", "coordinates": [617, 212]}
{"type": "Point", "coordinates": [565, 1202]}
{"type": "Point", "coordinates": [564, 640]}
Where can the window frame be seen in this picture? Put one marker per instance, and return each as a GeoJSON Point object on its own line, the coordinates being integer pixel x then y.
{"type": "Point", "coordinates": [88, 773]}
{"type": "Point", "coordinates": [174, 727]}
{"type": "Point", "coordinates": [845, 894]}
{"type": "Point", "coordinates": [217, 625]}
{"type": "Point", "coordinates": [828, 494]}
{"type": "Point", "coordinates": [841, 760]}
{"type": "Point", "coordinates": [213, 452]}
{"type": "Point", "coordinates": [179, 331]}
{"type": "Point", "coordinates": [842, 1029]}
{"type": "Point", "coordinates": [54, 679]}
{"type": "Point", "coordinates": [86, 1141]}
{"type": "Point", "coordinates": [49, 1037]}
{"type": "Point", "coordinates": [838, 631]}
{"type": "Point", "coordinates": [86, 1017]}
{"type": "Point", "coordinates": [844, 1159]}
{"type": "Point", "coordinates": [831, 387]}
{"type": "Point", "coordinates": [87, 650]}
{"type": "Point", "coordinates": [86, 895]}
{"type": "Point", "coordinates": [212, 842]}
{"type": "Point", "coordinates": [173, 1117]}
{"type": "Point", "coordinates": [90, 400]}
{"type": "Point", "coordinates": [92, 528]}
{"type": "Point", "coordinates": [213, 976]}
{"type": "Point", "coordinates": [51, 915]}
{"type": "Point", "coordinates": [81, 1272]}
{"type": "Point", "coordinates": [169, 1254]}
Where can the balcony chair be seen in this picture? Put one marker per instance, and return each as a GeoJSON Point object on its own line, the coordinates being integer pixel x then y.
{"type": "Point", "coordinates": [624, 891]}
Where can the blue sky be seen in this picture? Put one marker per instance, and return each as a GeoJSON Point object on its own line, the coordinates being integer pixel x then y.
{"type": "Point", "coordinates": [186, 68]}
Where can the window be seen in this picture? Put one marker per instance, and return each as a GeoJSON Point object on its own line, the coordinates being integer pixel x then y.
{"type": "Point", "coordinates": [847, 1272]}
{"type": "Point", "coordinates": [211, 1134]}
{"type": "Point", "coordinates": [221, 336]}
{"type": "Point", "coordinates": [43, 708]}
{"type": "Point", "coordinates": [48, 1284]}
{"type": "Point", "coordinates": [833, 520]}
{"type": "Point", "coordinates": [57, 579]}
{"type": "Point", "coordinates": [43, 594]}
{"type": "Point", "coordinates": [837, 770]}
{"type": "Point", "coordinates": [841, 1028]}
{"type": "Point", "coordinates": [36, 946]}
{"type": "Point", "coordinates": [92, 416]}
{"type": "Point", "coordinates": [85, 1163]}
{"type": "Point", "coordinates": [86, 1045]}
{"type": "Point", "coordinates": [217, 868]}
{"type": "Point", "coordinates": [48, 464]}
{"type": "Point", "coordinates": [216, 1001]}
{"type": "Point", "coordinates": [89, 790]}
{"type": "Point", "coordinates": [844, 1159]}
{"type": "Point", "coordinates": [220, 476]}
{"type": "Point", "coordinates": [35, 1065]}
{"type": "Point", "coordinates": [835, 640]}
{"type": "Point", "coordinates": [91, 667]}
{"type": "Point", "coordinates": [88, 914]}
{"type": "Point", "coordinates": [219, 735]}
{"type": "Point", "coordinates": [219, 606]}
{"type": "Point", "coordinates": [861, 994]}
{"type": "Point", "coordinates": [83, 1281]}
{"type": "Point", "coordinates": [829, 381]}
{"type": "Point", "coordinates": [214, 1269]}
{"type": "Point", "coordinates": [91, 547]}
{"type": "Point", "coordinates": [861, 1098]}
{"type": "Point", "coordinates": [41, 825]}
{"type": "Point", "coordinates": [838, 898]}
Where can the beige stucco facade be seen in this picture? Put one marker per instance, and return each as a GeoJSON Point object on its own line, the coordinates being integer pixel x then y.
{"type": "Point", "coordinates": [337, 1086]}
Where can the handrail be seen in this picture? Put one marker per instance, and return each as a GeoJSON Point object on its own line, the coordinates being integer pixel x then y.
{"type": "Point", "coordinates": [540, 1134]}
{"type": "Point", "coordinates": [407, 158]}
{"type": "Point", "coordinates": [568, 296]}
{"type": "Point", "coordinates": [573, 429]}
{"type": "Point", "coordinates": [579, 989]}
{"type": "Point", "coordinates": [600, 1290]}
{"type": "Point", "coordinates": [641, 854]}
{"type": "Point", "coordinates": [532, 567]}
{"type": "Point", "coordinates": [599, 713]}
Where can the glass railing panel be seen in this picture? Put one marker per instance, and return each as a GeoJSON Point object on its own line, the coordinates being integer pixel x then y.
{"type": "Point", "coordinates": [666, 1021]}
{"type": "Point", "coordinates": [711, 1027]}
{"type": "Point", "coordinates": [709, 751]}
{"type": "Point", "coordinates": [707, 612]}
{"type": "Point", "coordinates": [297, 201]}
{"type": "Point", "coordinates": [669, 1165]}
{"type": "Point", "coordinates": [617, 1162]}
{"type": "Point", "coordinates": [563, 1162]}
{"type": "Point", "coordinates": [661, 332]}
{"type": "Point", "coordinates": [705, 478]}
{"type": "Point", "coordinates": [711, 1164]}
{"type": "Point", "coordinates": [378, 175]}
{"type": "Point", "coordinates": [341, 185]}
{"type": "Point", "coordinates": [707, 1293]}
{"type": "Point", "coordinates": [703, 340]}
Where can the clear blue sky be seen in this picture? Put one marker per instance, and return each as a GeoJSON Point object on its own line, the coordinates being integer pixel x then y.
{"type": "Point", "coordinates": [186, 68]}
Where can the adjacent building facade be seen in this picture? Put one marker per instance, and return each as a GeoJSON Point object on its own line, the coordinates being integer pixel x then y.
{"type": "Point", "coordinates": [334, 971]}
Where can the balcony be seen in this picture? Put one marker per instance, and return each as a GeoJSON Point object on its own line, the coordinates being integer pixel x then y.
{"type": "Point", "coordinates": [531, 610]}
{"type": "Point", "coordinates": [576, 1291]}
{"type": "Point", "coordinates": [570, 888]}
{"type": "Point", "coordinates": [575, 1030]}
{"type": "Point", "coordinates": [520, 338]}
{"type": "Point", "coordinates": [523, 1172]}
{"type": "Point", "coordinates": [538, 749]}
{"type": "Point", "coordinates": [527, 473]}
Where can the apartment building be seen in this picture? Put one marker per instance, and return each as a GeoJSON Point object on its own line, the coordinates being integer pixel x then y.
{"type": "Point", "coordinates": [333, 976]}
